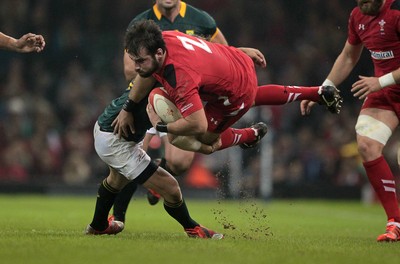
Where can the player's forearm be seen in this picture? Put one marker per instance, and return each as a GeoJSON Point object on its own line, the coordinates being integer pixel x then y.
{"type": "Point", "coordinates": [190, 143]}
{"type": "Point", "coordinates": [194, 124]}
{"type": "Point", "coordinates": [141, 88]}
{"type": "Point", "coordinates": [341, 70]}
{"type": "Point", "coordinates": [7, 42]}
{"type": "Point", "coordinates": [396, 76]}
{"type": "Point", "coordinates": [345, 63]}
{"type": "Point", "coordinates": [184, 127]}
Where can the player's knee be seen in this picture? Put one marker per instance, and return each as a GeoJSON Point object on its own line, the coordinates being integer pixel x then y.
{"type": "Point", "coordinates": [178, 168]}
{"type": "Point", "coordinates": [173, 193]}
{"type": "Point", "coordinates": [362, 148]}
{"type": "Point", "coordinates": [178, 162]}
{"type": "Point", "coordinates": [369, 149]}
{"type": "Point", "coordinates": [116, 180]}
{"type": "Point", "coordinates": [166, 185]}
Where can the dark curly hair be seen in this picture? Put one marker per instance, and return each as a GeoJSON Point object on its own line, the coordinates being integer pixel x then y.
{"type": "Point", "coordinates": [144, 34]}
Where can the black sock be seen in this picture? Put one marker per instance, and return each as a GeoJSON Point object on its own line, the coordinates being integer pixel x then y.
{"type": "Point", "coordinates": [180, 213]}
{"type": "Point", "coordinates": [122, 201]}
{"type": "Point", "coordinates": [105, 199]}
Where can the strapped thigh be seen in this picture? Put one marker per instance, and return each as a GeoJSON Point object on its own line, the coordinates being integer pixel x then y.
{"type": "Point", "coordinates": [372, 128]}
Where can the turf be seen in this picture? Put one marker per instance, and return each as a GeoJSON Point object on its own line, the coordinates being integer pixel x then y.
{"type": "Point", "coordinates": [49, 229]}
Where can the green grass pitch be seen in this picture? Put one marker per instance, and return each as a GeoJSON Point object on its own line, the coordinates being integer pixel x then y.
{"type": "Point", "coordinates": [49, 229]}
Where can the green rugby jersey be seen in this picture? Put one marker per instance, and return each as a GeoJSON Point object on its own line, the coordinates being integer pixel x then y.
{"type": "Point", "coordinates": [141, 120]}
{"type": "Point", "coordinates": [190, 20]}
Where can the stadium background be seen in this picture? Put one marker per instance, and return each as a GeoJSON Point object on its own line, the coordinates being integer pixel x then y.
{"type": "Point", "coordinates": [49, 101]}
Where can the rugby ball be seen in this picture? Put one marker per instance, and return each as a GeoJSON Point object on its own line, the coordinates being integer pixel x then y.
{"type": "Point", "coordinates": [168, 112]}
{"type": "Point", "coordinates": [163, 105]}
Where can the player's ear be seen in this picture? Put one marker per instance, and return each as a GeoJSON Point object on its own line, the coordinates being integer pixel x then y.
{"type": "Point", "coordinates": [159, 52]}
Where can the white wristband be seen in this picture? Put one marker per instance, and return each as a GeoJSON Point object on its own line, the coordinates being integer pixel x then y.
{"type": "Point", "coordinates": [386, 80]}
{"type": "Point", "coordinates": [162, 134]}
{"type": "Point", "coordinates": [328, 82]}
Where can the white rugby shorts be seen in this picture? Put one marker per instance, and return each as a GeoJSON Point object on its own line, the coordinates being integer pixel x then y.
{"type": "Point", "coordinates": [127, 157]}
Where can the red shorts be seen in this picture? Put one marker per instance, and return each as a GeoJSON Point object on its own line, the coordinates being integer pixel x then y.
{"type": "Point", "coordinates": [387, 99]}
{"type": "Point", "coordinates": [220, 116]}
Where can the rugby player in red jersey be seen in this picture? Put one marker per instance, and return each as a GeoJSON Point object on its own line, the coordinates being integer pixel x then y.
{"type": "Point", "coordinates": [231, 72]}
{"type": "Point", "coordinates": [180, 16]}
{"type": "Point", "coordinates": [196, 72]}
{"type": "Point", "coordinates": [375, 25]}
{"type": "Point", "coordinates": [169, 15]}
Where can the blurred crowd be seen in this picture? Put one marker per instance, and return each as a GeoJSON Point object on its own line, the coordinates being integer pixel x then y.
{"type": "Point", "coordinates": [50, 101]}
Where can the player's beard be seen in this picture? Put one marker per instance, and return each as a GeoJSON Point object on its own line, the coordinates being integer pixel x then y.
{"type": "Point", "coordinates": [370, 7]}
{"type": "Point", "coordinates": [155, 65]}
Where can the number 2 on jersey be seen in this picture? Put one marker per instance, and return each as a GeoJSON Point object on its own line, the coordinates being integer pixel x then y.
{"type": "Point", "coordinates": [189, 43]}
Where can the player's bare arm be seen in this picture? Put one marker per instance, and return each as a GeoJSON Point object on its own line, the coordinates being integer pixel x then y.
{"type": "Point", "coordinates": [192, 125]}
{"type": "Point", "coordinates": [123, 123]}
{"type": "Point", "coordinates": [341, 69]}
{"type": "Point", "coordinates": [256, 55]}
{"type": "Point", "coordinates": [27, 43]}
{"type": "Point", "coordinates": [189, 143]}
{"type": "Point", "coordinates": [219, 38]}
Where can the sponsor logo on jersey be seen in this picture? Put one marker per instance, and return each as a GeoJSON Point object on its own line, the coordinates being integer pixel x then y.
{"type": "Point", "coordinates": [382, 55]}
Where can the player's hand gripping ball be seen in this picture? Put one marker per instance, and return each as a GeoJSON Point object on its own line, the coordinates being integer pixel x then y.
{"type": "Point", "coordinates": [168, 112]}
{"type": "Point", "coordinates": [163, 105]}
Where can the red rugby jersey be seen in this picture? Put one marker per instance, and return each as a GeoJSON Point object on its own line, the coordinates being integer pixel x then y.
{"type": "Point", "coordinates": [379, 34]}
{"type": "Point", "coordinates": [196, 70]}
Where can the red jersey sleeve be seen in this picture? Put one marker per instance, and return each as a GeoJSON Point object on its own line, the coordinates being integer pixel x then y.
{"type": "Point", "coordinates": [186, 93]}
{"type": "Point", "coordinates": [189, 104]}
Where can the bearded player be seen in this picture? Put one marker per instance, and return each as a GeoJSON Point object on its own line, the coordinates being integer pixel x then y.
{"type": "Point", "coordinates": [169, 15]}
{"type": "Point", "coordinates": [375, 25]}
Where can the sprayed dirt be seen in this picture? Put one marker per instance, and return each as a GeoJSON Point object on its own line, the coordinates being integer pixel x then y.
{"type": "Point", "coordinates": [253, 219]}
